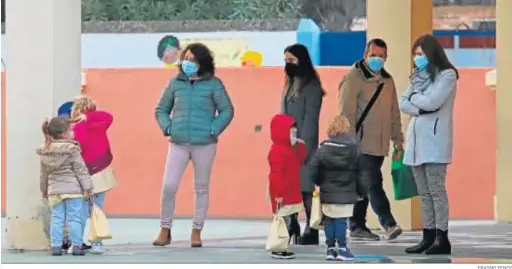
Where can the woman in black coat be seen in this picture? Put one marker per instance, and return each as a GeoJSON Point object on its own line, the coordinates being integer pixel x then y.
{"type": "Point", "coordinates": [302, 99]}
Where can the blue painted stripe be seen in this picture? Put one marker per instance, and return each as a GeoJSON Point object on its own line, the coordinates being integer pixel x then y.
{"type": "Point", "coordinates": [463, 33]}
{"type": "Point", "coordinates": [371, 257]}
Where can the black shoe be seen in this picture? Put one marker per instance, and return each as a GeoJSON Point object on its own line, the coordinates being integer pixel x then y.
{"type": "Point", "coordinates": [65, 246]}
{"type": "Point", "coordinates": [293, 227]}
{"type": "Point", "coordinates": [283, 255]}
{"type": "Point", "coordinates": [429, 236]}
{"type": "Point", "coordinates": [86, 247]}
{"type": "Point", "coordinates": [363, 235]}
{"type": "Point", "coordinates": [294, 238]}
{"type": "Point", "coordinates": [78, 251]}
{"type": "Point", "coordinates": [332, 254]}
{"type": "Point", "coordinates": [310, 237]}
{"type": "Point", "coordinates": [441, 245]}
{"type": "Point", "coordinates": [295, 233]}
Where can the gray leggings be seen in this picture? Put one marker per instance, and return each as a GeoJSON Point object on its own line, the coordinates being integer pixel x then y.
{"type": "Point", "coordinates": [178, 157]}
{"type": "Point", "coordinates": [431, 182]}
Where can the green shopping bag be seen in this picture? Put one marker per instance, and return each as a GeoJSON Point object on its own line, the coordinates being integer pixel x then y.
{"type": "Point", "coordinates": [404, 185]}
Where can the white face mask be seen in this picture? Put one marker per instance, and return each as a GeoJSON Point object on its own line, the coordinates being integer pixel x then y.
{"type": "Point", "coordinates": [293, 136]}
{"type": "Point", "coordinates": [293, 139]}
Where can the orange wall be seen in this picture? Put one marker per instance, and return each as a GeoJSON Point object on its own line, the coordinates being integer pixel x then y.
{"type": "Point", "coordinates": [240, 171]}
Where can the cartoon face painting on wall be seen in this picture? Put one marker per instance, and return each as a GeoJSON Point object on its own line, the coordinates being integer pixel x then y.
{"type": "Point", "coordinates": [251, 58]}
{"type": "Point", "coordinates": [168, 50]}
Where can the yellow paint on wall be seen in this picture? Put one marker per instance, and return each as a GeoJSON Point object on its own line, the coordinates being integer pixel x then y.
{"type": "Point", "coordinates": [226, 51]}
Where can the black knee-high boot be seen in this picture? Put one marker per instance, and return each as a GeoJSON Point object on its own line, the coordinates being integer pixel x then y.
{"type": "Point", "coordinates": [293, 226]}
{"type": "Point", "coordinates": [310, 236]}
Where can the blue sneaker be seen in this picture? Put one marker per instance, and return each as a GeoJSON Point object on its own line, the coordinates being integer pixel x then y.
{"type": "Point", "coordinates": [331, 254]}
{"type": "Point", "coordinates": [56, 251]}
{"type": "Point", "coordinates": [344, 254]}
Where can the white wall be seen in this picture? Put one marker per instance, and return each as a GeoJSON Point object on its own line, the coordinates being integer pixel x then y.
{"type": "Point", "coordinates": [139, 50]}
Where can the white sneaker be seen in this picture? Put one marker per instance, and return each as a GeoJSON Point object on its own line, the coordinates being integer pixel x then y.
{"type": "Point", "coordinates": [97, 248]}
{"type": "Point", "coordinates": [70, 249]}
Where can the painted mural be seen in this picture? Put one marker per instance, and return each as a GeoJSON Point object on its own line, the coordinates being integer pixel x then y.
{"type": "Point", "coordinates": [168, 50]}
{"type": "Point", "coordinates": [251, 58]}
{"type": "Point", "coordinates": [226, 51]}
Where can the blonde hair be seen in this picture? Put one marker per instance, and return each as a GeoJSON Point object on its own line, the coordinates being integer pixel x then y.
{"type": "Point", "coordinates": [338, 125]}
{"type": "Point", "coordinates": [81, 105]}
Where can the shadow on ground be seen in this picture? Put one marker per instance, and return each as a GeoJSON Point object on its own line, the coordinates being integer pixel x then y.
{"type": "Point", "coordinates": [242, 241]}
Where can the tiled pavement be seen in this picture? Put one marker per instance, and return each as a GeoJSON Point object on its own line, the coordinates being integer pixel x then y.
{"type": "Point", "coordinates": [242, 241]}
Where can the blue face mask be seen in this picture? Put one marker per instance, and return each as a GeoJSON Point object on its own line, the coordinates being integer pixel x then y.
{"type": "Point", "coordinates": [375, 63]}
{"type": "Point", "coordinates": [421, 62]}
{"type": "Point", "coordinates": [189, 68]}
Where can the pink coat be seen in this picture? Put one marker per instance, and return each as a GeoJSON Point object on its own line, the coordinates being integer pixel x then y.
{"type": "Point", "coordinates": [93, 139]}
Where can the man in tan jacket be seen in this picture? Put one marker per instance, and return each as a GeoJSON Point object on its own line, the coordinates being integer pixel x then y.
{"type": "Point", "coordinates": [380, 126]}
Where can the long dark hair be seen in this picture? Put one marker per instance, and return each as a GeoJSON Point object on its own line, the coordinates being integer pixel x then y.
{"type": "Point", "coordinates": [308, 71]}
{"type": "Point", "coordinates": [203, 56]}
{"type": "Point", "coordinates": [437, 59]}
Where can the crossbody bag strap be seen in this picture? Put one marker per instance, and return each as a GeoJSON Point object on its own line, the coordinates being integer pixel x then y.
{"type": "Point", "coordinates": [369, 106]}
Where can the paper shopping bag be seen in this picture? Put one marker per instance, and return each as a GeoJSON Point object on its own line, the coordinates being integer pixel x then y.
{"type": "Point", "coordinates": [316, 212]}
{"type": "Point", "coordinates": [99, 224]}
{"type": "Point", "coordinates": [278, 237]}
{"type": "Point", "coordinates": [404, 185]}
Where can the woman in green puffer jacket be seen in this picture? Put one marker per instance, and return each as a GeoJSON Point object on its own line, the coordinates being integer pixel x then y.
{"type": "Point", "coordinates": [201, 110]}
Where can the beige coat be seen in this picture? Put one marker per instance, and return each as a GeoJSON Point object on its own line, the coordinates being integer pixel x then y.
{"type": "Point", "coordinates": [63, 170]}
{"type": "Point", "coordinates": [383, 122]}
{"type": "Point", "coordinates": [104, 180]}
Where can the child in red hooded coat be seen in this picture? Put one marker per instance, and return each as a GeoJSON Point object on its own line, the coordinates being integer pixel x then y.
{"type": "Point", "coordinates": [287, 154]}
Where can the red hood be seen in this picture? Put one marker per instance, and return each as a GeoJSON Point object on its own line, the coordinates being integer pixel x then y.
{"type": "Point", "coordinates": [280, 129]}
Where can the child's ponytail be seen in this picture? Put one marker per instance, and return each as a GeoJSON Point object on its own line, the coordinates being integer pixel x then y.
{"type": "Point", "coordinates": [54, 129]}
{"type": "Point", "coordinates": [47, 137]}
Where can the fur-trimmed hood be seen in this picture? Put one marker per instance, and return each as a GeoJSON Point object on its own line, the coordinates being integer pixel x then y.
{"type": "Point", "coordinates": [58, 153]}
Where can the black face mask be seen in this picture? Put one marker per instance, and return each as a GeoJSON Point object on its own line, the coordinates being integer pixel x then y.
{"type": "Point", "coordinates": [292, 70]}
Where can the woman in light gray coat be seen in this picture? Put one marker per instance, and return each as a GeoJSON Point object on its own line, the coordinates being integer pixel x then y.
{"type": "Point", "coordinates": [429, 100]}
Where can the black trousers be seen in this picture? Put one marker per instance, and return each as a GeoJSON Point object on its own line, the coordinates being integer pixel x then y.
{"type": "Point", "coordinates": [292, 224]}
{"type": "Point", "coordinates": [370, 176]}
{"type": "Point", "coordinates": [307, 200]}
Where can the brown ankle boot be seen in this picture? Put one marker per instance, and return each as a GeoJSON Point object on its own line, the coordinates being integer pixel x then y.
{"type": "Point", "coordinates": [195, 239]}
{"type": "Point", "coordinates": [164, 238]}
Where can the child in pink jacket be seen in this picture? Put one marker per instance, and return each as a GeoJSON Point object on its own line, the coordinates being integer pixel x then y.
{"type": "Point", "coordinates": [90, 128]}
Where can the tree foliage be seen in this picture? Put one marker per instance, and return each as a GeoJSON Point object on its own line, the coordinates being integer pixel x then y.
{"type": "Point", "coordinates": [329, 14]}
{"type": "Point", "coordinates": [157, 10]}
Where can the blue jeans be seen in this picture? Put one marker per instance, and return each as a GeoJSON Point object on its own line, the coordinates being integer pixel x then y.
{"type": "Point", "coordinates": [335, 230]}
{"type": "Point", "coordinates": [69, 210]}
{"type": "Point", "coordinates": [99, 199]}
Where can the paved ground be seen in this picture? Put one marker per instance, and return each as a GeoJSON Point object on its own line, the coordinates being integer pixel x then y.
{"type": "Point", "coordinates": [242, 241]}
